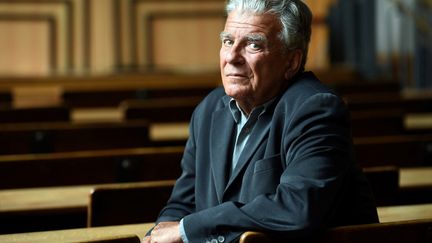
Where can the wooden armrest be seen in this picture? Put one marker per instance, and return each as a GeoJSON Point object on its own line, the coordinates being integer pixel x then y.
{"type": "Point", "coordinates": [116, 239]}
{"type": "Point", "coordinates": [401, 231]}
{"type": "Point", "coordinates": [255, 237]}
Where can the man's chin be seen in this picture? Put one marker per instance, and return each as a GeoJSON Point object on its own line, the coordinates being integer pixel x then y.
{"type": "Point", "coordinates": [235, 94]}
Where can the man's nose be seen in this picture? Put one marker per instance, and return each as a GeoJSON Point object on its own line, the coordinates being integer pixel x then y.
{"type": "Point", "coordinates": [234, 55]}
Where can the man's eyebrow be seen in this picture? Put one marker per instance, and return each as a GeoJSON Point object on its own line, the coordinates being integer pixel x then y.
{"type": "Point", "coordinates": [250, 37]}
{"type": "Point", "coordinates": [256, 38]}
{"type": "Point", "coordinates": [225, 35]}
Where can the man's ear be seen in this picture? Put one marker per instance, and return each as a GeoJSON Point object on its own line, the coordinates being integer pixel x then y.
{"type": "Point", "coordinates": [294, 62]}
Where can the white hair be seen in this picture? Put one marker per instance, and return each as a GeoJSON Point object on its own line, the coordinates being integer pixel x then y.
{"type": "Point", "coordinates": [294, 15]}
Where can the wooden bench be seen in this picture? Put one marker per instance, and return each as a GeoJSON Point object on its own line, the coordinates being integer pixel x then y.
{"type": "Point", "coordinates": [68, 136]}
{"type": "Point", "coordinates": [41, 209]}
{"type": "Point", "coordinates": [66, 207]}
{"type": "Point", "coordinates": [402, 231]}
{"type": "Point", "coordinates": [384, 183]}
{"type": "Point", "coordinates": [169, 132]}
{"type": "Point", "coordinates": [94, 234]}
{"type": "Point", "coordinates": [115, 239]}
{"type": "Point", "coordinates": [127, 204]}
{"type": "Point", "coordinates": [386, 112]}
{"type": "Point", "coordinates": [160, 109]}
{"type": "Point", "coordinates": [377, 123]}
{"type": "Point", "coordinates": [90, 167]}
{"type": "Point", "coordinates": [110, 90]}
{"type": "Point", "coordinates": [390, 122]}
{"type": "Point", "coordinates": [39, 114]}
{"type": "Point", "coordinates": [50, 208]}
{"type": "Point", "coordinates": [392, 185]}
{"type": "Point", "coordinates": [419, 231]}
{"type": "Point", "coordinates": [415, 185]}
{"type": "Point", "coordinates": [137, 81]}
{"type": "Point", "coordinates": [112, 98]}
{"type": "Point", "coordinates": [396, 213]}
{"type": "Point", "coordinates": [5, 99]}
{"type": "Point", "coordinates": [353, 86]}
{"type": "Point", "coordinates": [397, 150]}
{"type": "Point", "coordinates": [385, 101]}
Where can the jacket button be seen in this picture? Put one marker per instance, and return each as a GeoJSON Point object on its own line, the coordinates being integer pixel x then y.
{"type": "Point", "coordinates": [221, 238]}
{"type": "Point", "coordinates": [214, 241]}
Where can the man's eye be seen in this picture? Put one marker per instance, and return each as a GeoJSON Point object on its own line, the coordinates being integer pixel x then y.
{"type": "Point", "coordinates": [227, 42]}
{"type": "Point", "coordinates": [254, 46]}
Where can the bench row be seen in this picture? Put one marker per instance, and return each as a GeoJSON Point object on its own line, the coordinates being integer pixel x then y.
{"type": "Point", "coordinates": [124, 153]}
{"type": "Point", "coordinates": [403, 231]}
{"type": "Point", "coordinates": [74, 207]}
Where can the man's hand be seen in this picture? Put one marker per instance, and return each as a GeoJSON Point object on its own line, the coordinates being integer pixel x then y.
{"type": "Point", "coordinates": [165, 232]}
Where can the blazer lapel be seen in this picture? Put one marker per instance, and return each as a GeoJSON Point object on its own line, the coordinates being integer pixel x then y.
{"type": "Point", "coordinates": [222, 129]}
{"type": "Point", "coordinates": [259, 132]}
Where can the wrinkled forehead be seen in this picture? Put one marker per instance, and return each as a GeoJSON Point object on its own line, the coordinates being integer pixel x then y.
{"type": "Point", "coordinates": [266, 23]}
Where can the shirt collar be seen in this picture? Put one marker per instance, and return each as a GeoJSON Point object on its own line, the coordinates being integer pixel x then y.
{"type": "Point", "coordinates": [256, 112]}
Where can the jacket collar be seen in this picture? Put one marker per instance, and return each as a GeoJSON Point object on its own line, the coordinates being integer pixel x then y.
{"type": "Point", "coordinates": [221, 145]}
{"type": "Point", "coordinates": [221, 133]}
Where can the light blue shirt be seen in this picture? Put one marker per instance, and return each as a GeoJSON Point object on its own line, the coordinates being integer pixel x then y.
{"type": "Point", "coordinates": [244, 126]}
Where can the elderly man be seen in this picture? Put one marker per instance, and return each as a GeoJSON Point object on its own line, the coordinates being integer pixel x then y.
{"type": "Point", "coordinates": [270, 151]}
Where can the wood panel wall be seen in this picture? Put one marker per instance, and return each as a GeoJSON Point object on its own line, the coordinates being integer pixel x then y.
{"type": "Point", "coordinates": [75, 37]}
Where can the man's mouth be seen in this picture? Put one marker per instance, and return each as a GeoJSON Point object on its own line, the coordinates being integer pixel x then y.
{"type": "Point", "coordinates": [237, 75]}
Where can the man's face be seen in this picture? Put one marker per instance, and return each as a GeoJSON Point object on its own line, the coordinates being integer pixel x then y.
{"type": "Point", "coordinates": [252, 59]}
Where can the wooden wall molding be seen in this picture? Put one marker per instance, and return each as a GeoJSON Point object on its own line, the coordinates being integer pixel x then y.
{"type": "Point", "coordinates": [72, 29]}
{"type": "Point", "coordinates": [52, 26]}
{"type": "Point", "coordinates": [134, 26]}
{"type": "Point", "coordinates": [150, 19]}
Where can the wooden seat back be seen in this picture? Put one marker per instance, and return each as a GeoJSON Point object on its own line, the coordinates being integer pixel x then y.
{"type": "Point", "coordinates": [67, 136]}
{"type": "Point", "coordinates": [90, 167]}
{"type": "Point", "coordinates": [115, 239]}
{"type": "Point", "coordinates": [419, 231]}
{"type": "Point", "coordinates": [389, 100]}
{"type": "Point", "coordinates": [160, 109]}
{"type": "Point", "coordinates": [34, 114]}
{"type": "Point", "coordinates": [384, 182]}
{"type": "Point", "coordinates": [396, 150]}
{"type": "Point", "coordinates": [111, 98]}
{"type": "Point", "coordinates": [377, 122]}
{"type": "Point", "coordinates": [139, 203]}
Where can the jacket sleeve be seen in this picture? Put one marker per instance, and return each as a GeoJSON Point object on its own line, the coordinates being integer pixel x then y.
{"type": "Point", "coordinates": [182, 200]}
{"type": "Point", "coordinates": [316, 152]}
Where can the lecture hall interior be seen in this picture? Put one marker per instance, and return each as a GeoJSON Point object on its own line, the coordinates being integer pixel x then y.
{"type": "Point", "coordinates": [96, 97]}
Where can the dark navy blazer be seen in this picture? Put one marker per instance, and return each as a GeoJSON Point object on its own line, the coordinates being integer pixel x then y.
{"type": "Point", "coordinates": [296, 177]}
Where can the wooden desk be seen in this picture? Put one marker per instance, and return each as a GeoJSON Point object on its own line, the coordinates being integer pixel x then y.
{"type": "Point", "coordinates": [404, 212]}
{"type": "Point", "coordinates": [42, 209]}
{"type": "Point", "coordinates": [76, 197]}
{"type": "Point", "coordinates": [396, 150]}
{"type": "Point", "coordinates": [35, 114]}
{"type": "Point", "coordinates": [90, 167]}
{"type": "Point", "coordinates": [169, 131]}
{"type": "Point", "coordinates": [415, 177]}
{"type": "Point", "coordinates": [70, 136]}
{"type": "Point", "coordinates": [402, 231]}
{"type": "Point", "coordinates": [148, 81]}
{"type": "Point", "coordinates": [160, 109]}
{"type": "Point", "coordinates": [100, 114]}
{"type": "Point", "coordinates": [415, 121]}
{"type": "Point", "coordinates": [78, 235]}
{"type": "Point", "coordinates": [49, 199]}
{"type": "Point", "coordinates": [415, 185]}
